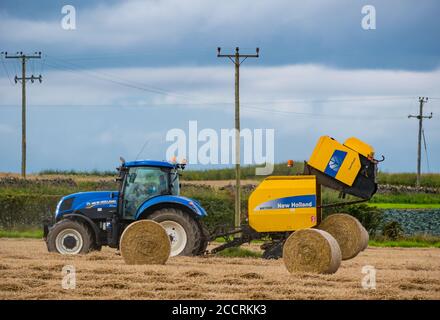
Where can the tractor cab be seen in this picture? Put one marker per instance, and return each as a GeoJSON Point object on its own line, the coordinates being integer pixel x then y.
{"type": "Point", "coordinates": [143, 180]}
{"type": "Point", "coordinates": [148, 189]}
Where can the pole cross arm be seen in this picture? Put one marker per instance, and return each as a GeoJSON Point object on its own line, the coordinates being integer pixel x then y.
{"type": "Point", "coordinates": [237, 50]}
{"type": "Point", "coordinates": [20, 55]}
{"type": "Point", "coordinates": [428, 117]}
{"type": "Point", "coordinates": [32, 78]}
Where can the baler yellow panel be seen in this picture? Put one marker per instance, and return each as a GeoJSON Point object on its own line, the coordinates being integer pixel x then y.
{"type": "Point", "coordinates": [360, 147]}
{"type": "Point", "coordinates": [335, 160]}
{"type": "Point", "coordinates": [283, 203]}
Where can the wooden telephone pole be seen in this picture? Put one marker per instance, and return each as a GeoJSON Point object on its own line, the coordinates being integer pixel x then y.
{"type": "Point", "coordinates": [420, 116]}
{"type": "Point", "coordinates": [235, 58]}
{"type": "Point", "coordinates": [23, 79]}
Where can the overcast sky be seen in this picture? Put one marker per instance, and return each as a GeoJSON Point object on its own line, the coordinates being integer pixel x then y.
{"type": "Point", "coordinates": [132, 70]}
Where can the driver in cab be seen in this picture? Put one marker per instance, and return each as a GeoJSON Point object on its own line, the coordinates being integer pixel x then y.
{"type": "Point", "coordinates": [143, 185]}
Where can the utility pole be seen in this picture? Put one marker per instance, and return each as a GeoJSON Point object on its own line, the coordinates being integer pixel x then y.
{"type": "Point", "coordinates": [420, 116]}
{"type": "Point", "coordinates": [23, 79]}
{"type": "Point", "coordinates": [235, 58]}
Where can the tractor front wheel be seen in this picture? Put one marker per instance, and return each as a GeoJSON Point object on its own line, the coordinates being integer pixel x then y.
{"type": "Point", "coordinates": [184, 231]}
{"type": "Point", "coordinates": [69, 237]}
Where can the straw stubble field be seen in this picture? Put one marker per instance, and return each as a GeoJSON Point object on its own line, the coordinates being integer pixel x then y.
{"type": "Point", "coordinates": [28, 271]}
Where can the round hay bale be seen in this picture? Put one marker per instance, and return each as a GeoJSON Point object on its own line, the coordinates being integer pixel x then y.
{"type": "Point", "coordinates": [347, 231]}
{"type": "Point", "coordinates": [365, 238]}
{"type": "Point", "coordinates": [311, 250]}
{"type": "Point", "coordinates": [145, 242]}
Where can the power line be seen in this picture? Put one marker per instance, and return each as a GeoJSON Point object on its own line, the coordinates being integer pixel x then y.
{"type": "Point", "coordinates": [64, 65]}
{"type": "Point", "coordinates": [142, 149]}
{"type": "Point", "coordinates": [120, 81]}
{"type": "Point", "coordinates": [110, 78]}
{"type": "Point", "coordinates": [43, 62]}
{"type": "Point", "coordinates": [218, 105]}
{"type": "Point", "coordinates": [7, 72]}
{"type": "Point", "coordinates": [104, 78]}
{"type": "Point", "coordinates": [195, 103]}
{"type": "Point", "coordinates": [322, 115]}
{"type": "Point", "coordinates": [14, 66]}
{"type": "Point", "coordinates": [143, 53]}
{"type": "Point", "coordinates": [363, 99]}
{"type": "Point", "coordinates": [32, 62]}
{"type": "Point", "coordinates": [426, 150]}
{"type": "Point", "coordinates": [141, 86]}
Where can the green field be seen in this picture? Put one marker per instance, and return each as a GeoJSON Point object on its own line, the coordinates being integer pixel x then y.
{"type": "Point", "coordinates": [406, 205]}
{"type": "Point", "coordinates": [409, 197]}
{"type": "Point", "coordinates": [31, 233]}
{"type": "Point", "coordinates": [404, 244]}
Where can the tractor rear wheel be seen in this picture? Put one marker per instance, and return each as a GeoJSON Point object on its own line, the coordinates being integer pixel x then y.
{"type": "Point", "coordinates": [185, 233]}
{"type": "Point", "coordinates": [69, 237]}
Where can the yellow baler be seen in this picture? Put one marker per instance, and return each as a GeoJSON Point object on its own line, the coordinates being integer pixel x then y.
{"type": "Point", "coordinates": [289, 203]}
{"type": "Point", "coordinates": [286, 210]}
{"type": "Point", "coordinates": [285, 203]}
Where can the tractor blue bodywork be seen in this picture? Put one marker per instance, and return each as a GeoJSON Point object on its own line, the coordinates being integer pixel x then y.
{"type": "Point", "coordinates": [86, 200]}
{"type": "Point", "coordinates": [192, 205]}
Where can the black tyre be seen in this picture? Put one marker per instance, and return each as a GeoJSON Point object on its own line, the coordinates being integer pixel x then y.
{"type": "Point", "coordinates": [205, 239]}
{"type": "Point", "coordinates": [70, 237]}
{"type": "Point", "coordinates": [96, 247]}
{"type": "Point", "coordinates": [184, 231]}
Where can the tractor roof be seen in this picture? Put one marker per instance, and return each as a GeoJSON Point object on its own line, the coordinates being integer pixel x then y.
{"type": "Point", "coordinates": [149, 163]}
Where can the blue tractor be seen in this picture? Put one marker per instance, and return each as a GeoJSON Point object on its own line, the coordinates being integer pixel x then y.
{"type": "Point", "coordinates": [148, 189]}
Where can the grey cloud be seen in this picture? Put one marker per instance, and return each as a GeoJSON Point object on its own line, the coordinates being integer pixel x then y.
{"type": "Point", "coordinates": [176, 32]}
